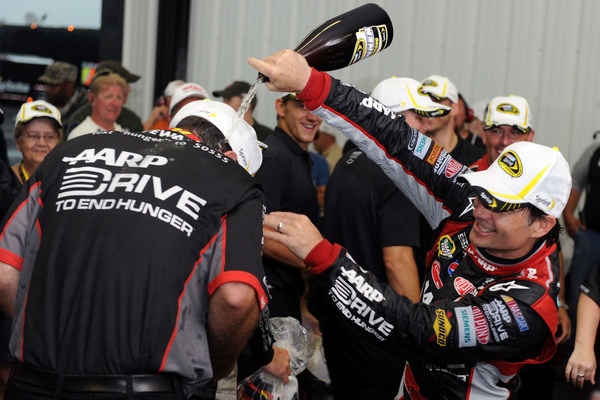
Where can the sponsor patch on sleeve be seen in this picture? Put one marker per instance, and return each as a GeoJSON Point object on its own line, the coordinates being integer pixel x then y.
{"type": "Point", "coordinates": [516, 312]}
{"type": "Point", "coordinates": [466, 327]}
{"type": "Point", "coordinates": [442, 327]}
{"type": "Point", "coordinates": [422, 146]}
{"type": "Point", "coordinates": [435, 152]}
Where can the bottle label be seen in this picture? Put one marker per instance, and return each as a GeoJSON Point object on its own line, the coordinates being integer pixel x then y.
{"type": "Point", "coordinates": [369, 40]}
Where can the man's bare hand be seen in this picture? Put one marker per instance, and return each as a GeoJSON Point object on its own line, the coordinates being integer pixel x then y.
{"type": "Point", "coordinates": [280, 364]}
{"type": "Point", "coordinates": [295, 231]}
{"type": "Point", "coordinates": [287, 70]}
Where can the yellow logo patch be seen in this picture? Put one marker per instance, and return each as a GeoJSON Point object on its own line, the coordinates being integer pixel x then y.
{"type": "Point", "coordinates": [510, 162]}
{"type": "Point", "coordinates": [442, 327]}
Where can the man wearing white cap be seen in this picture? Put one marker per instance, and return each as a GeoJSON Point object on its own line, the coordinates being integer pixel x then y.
{"type": "Point", "coordinates": [161, 279]}
{"type": "Point", "coordinates": [507, 120]}
{"type": "Point", "coordinates": [325, 144]}
{"type": "Point", "coordinates": [371, 218]}
{"type": "Point", "coordinates": [488, 299]}
{"type": "Point", "coordinates": [184, 94]}
{"type": "Point", "coordinates": [443, 91]}
{"type": "Point", "coordinates": [159, 117]}
{"type": "Point", "coordinates": [442, 130]}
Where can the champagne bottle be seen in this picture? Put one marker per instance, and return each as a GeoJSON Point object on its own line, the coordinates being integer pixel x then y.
{"type": "Point", "coordinates": [348, 38]}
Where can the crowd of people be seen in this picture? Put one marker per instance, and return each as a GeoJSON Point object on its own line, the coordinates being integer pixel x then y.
{"type": "Point", "coordinates": [419, 238]}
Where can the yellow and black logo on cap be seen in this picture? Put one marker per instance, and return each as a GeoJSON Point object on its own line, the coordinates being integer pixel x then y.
{"type": "Point", "coordinates": [508, 108]}
{"type": "Point", "coordinates": [511, 164]}
{"type": "Point", "coordinates": [41, 108]}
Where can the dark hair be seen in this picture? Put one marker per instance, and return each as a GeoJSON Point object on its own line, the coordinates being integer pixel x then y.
{"type": "Point", "coordinates": [468, 111]}
{"type": "Point", "coordinates": [206, 131]}
{"type": "Point", "coordinates": [536, 214]}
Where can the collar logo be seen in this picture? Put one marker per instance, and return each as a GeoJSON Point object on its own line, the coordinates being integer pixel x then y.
{"type": "Point", "coordinates": [511, 164]}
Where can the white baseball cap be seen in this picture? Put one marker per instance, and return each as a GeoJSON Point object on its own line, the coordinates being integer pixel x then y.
{"type": "Point", "coordinates": [401, 94]}
{"type": "Point", "coordinates": [440, 87]}
{"type": "Point", "coordinates": [511, 110]}
{"type": "Point", "coordinates": [187, 90]}
{"type": "Point", "coordinates": [479, 108]}
{"type": "Point", "coordinates": [340, 138]}
{"type": "Point", "coordinates": [37, 109]}
{"type": "Point", "coordinates": [241, 136]}
{"type": "Point", "coordinates": [171, 86]}
{"type": "Point", "coordinates": [525, 173]}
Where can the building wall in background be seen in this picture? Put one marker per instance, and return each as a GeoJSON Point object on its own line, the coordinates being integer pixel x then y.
{"type": "Point", "coordinates": [544, 50]}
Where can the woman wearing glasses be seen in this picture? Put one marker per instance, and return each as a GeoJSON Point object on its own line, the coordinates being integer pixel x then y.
{"type": "Point", "coordinates": [38, 129]}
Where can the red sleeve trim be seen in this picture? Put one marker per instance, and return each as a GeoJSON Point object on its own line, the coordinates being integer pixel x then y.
{"type": "Point", "coordinates": [243, 277]}
{"type": "Point", "coordinates": [316, 90]}
{"type": "Point", "coordinates": [11, 259]}
{"type": "Point", "coordinates": [322, 256]}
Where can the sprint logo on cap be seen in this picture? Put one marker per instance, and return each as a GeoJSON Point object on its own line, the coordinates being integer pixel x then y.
{"type": "Point", "coordinates": [511, 164]}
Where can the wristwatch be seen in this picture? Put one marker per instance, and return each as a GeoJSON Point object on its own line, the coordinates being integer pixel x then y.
{"type": "Point", "coordinates": [559, 304]}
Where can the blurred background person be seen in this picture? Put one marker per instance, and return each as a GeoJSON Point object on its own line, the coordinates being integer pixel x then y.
{"type": "Point", "coordinates": [159, 117]}
{"type": "Point", "coordinates": [38, 129]}
{"type": "Point", "coordinates": [326, 144]}
{"type": "Point", "coordinates": [62, 89]}
{"type": "Point", "coordinates": [476, 124]}
{"type": "Point", "coordinates": [461, 123]}
{"type": "Point", "coordinates": [233, 95]}
{"type": "Point", "coordinates": [127, 118]}
{"type": "Point", "coordinates": [583, 225]}
{"type": "Point", "coordinates": [185, 94]}
{"type": "Point", "coordinates": [3, 146]}
{"type": "Point", "coordinates": [369, 216]}
{"type": "Point", "coordinates": [106, 97]}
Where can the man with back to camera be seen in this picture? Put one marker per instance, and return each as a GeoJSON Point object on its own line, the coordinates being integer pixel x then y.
{"type": "Point", "coordinates": [151, 315]}
{"type": "Point", "coordinates": [488, 303]}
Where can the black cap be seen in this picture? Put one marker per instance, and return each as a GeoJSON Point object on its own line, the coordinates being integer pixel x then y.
{"type": "Point", "coordinates": [237, 88]}
{"type": "Point", "coordinates": [116, 67]}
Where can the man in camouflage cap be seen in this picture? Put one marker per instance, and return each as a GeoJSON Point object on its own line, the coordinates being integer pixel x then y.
{"type": "Point", "coordinates": [62, 90]}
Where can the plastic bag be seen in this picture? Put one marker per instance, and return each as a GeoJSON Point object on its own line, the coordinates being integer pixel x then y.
{"type": "Point", "coordinates": [317, 364]}
{"type": "Point", "coordinates": [288, 334]}
{"type": "Point", "coordinates": [263, 386]}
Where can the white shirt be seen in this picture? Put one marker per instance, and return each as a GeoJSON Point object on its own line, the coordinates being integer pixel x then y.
{"type": "Point", "coordinates": [89, 126]}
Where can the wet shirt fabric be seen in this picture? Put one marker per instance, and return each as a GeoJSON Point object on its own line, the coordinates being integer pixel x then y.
{"type": "Point", "coordinates": [121, 238]}
{"type": "Point", "coordinates": [480, 318]}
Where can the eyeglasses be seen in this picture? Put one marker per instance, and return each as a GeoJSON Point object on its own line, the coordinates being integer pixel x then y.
{"type": "Point", "coordinates": [34, 137]}
{"type": "Point", "coordinates": [514, 134]}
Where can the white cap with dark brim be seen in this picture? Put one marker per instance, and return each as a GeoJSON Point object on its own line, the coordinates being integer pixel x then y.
{"type": "Point", "coordinates": [525, 173]}
{"type": "Point", "coordinates": [241, 136]}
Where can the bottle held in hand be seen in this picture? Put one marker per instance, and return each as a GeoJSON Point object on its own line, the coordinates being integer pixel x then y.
{"type": "Point", "coordinates": [347, 38]}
